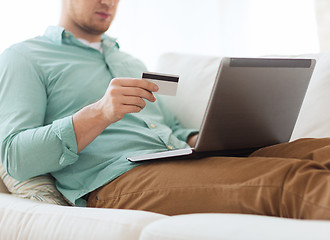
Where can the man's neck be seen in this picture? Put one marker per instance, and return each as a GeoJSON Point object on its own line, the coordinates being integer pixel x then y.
{"type": "Point", "coordinates": [88, 37]}
{"type": "Point", "coordinates": [79, 33]}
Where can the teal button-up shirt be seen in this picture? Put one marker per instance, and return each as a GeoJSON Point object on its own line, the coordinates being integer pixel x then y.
{"type": "Point", "coordinates": [43, 82]}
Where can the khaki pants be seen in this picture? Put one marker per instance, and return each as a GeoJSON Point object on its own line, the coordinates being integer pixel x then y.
{"type": "Point", "coordinates": [286, 180]}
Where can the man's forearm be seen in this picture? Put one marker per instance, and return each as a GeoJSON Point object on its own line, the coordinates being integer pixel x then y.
{"type": "Point", "coordinates": [88, 123]}
{"type": "Point", "coordinates": [123, 95]}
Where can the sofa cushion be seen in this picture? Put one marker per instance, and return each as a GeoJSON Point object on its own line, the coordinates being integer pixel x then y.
{"type": "Point", "coordinates": [197, 76]}
{"type": "Point", "coordinates": [314, 117]}
{"type": "Point", "coordinates": [235, 227]}
{"type": "Point", "coordinates": [41, 188]}
{"type": "Point", "coordinates": [24, 219]}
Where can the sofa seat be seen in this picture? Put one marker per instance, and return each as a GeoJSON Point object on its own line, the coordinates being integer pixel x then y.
{"type": "Point", "coordinates": [30, 220]}
{"type": "Point", "coordinates": [235, 227]}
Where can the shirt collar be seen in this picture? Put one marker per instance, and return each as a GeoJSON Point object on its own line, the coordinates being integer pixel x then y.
{"type": "Point", "coordinates": [58, 34]}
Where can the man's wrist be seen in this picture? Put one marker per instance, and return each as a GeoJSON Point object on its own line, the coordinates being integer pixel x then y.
{"type": "Point", "coordinates": [97, 112]}
{"type": "Point", "coordinates": [191, 139]}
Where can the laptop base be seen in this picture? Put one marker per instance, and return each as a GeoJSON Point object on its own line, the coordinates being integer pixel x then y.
{"type": "Point", "coordinates": [190, 154]}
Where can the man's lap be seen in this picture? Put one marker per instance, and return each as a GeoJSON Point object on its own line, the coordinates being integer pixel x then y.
{"type": "Point", "coordinates": [258, 185]}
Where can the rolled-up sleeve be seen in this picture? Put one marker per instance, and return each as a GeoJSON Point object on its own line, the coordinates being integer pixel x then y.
{"type": "Point", "coordinates": [29, 147]}
{"type": "Point", "coordinates": [64, 130]}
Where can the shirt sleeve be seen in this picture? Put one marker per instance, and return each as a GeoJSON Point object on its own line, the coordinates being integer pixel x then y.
{"type": "Point", "coordinates": [28, 147]}
{"type": "Point", "coordinates": [180, 132]}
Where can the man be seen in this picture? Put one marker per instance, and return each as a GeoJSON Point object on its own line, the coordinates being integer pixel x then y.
{"type": "Point", "coordinates": [72, 104]}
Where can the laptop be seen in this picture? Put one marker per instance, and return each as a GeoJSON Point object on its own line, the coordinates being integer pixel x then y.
{"type": "Point", "coordinates": [255, 102]}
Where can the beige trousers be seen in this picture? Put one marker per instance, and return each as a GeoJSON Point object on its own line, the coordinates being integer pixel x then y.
{"type": "Point", "coordinates": [286, 180]}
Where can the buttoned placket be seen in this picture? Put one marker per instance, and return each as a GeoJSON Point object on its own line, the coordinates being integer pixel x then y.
{"type": "Point", "coordinates": [169, 146]}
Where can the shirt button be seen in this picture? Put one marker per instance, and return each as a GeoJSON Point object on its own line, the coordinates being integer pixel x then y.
{"type": "Point", "coordinates": [152, 125]}
{"type": "Point", "coordinates": [66, 35]}
{"type": "Point", "coordinates": [170, 147]}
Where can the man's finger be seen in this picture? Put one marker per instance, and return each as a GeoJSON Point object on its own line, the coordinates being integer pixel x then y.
{"type": "Point", "coordinates": [136, 82]}
{"type": "Point", "coordinates": [134, 101]}
{"type": "Point", "coordinates": [139, 92]}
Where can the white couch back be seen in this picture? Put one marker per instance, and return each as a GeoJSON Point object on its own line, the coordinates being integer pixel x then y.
{"type": "Point", "coordinates": [197, 75]}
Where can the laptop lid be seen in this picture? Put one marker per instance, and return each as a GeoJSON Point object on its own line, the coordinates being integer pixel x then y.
{"type": "Point", "coordinates": [254, 102]}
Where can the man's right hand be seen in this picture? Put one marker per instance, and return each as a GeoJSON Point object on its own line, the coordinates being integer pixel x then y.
{"type": "Point", "coordinates": [125, 95]}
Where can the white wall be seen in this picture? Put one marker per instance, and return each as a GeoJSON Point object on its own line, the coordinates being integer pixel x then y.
{"type": "Point", "coordinates": [148, 28]}
{"type": "Point", "coordinates": [282, 27]}
{"type": "Point", "coordinates": [323, 19]}
{"type": "Point", "coordinates": [22, 19]}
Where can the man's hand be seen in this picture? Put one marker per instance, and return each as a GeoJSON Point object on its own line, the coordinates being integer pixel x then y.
{"type": "Point", "coordinates": [191, 140]}
{"type": "Point", "coordinates": [123, 95]}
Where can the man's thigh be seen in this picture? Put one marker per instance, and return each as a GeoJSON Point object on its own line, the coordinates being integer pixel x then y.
{"type": "Point", "coordinates": [316, 149]}
{"type": "Point", "coordinates": [216, 184]}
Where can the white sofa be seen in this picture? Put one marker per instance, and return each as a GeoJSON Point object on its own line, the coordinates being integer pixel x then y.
{"type": "Point", "coordinates": [27, 219]}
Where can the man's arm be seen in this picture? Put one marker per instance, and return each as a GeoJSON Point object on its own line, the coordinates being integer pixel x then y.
{"type": "Point", "coordinates": [124, 95]}
{"type": "Point", "coordinates": [28, 147]}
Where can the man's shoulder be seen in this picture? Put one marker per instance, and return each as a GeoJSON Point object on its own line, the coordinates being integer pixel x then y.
{"type": "Point", "coordinates": [126, 65]}
{"type": "Point", "coordinates": [126, 57]}
{"type": "Point", "coordinates": [116, 52]}
{"type": "Point", "coordinates": [26, 47]}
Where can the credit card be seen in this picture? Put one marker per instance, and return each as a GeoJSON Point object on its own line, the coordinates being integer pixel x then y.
{"type": "Point", "coordinates": [167, 83]}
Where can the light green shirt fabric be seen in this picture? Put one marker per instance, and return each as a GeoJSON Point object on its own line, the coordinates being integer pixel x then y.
{"type": "Point", "coordinates": [43, 82]}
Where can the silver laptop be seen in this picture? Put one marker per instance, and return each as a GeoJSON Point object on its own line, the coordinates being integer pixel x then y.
{"type": "Point", "coordinates": [254, 103]}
